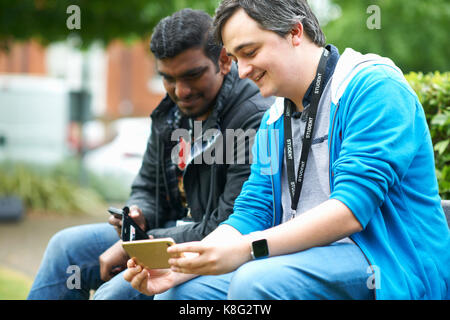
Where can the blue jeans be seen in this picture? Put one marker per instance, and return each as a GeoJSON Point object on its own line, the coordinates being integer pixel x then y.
{"type": "Point", "coordinates": [338, 271]}
{"type": "Point", "coordinates": [80, 247]}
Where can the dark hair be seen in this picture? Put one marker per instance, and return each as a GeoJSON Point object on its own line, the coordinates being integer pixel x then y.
{"type": "Point", "coordinates": [185, 29]}
{"type": "Point", "coordinates": [279, 16]}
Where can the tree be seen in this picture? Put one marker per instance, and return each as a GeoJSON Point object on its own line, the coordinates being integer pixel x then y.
{"type": "Point", "coordinates": [413, 33]}
{"type": "Point", "coordinates": [54, 20]}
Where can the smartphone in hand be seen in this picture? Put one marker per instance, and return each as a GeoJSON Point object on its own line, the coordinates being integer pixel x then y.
{"type": "Point", "coordinates": [151, 254]}
{"type": "Point", "coordinates": [130, 230]}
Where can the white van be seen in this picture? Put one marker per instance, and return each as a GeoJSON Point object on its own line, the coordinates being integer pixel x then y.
{"type": "Point", "coordinates": [34, 119]}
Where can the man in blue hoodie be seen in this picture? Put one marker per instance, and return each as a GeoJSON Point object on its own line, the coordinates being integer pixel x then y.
{"type": "Point", "coordinates": [342, 201]}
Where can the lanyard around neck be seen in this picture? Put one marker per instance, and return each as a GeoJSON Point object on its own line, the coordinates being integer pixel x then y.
{"type": "Point", "coordinates": [295, 185]}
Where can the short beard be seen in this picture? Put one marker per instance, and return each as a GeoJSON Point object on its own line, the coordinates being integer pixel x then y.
{"type": "Point", "coordinates": [201, 112]}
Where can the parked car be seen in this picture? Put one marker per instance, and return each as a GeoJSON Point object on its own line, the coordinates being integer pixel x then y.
{"type": "Point", "coordinates": [121, 158]}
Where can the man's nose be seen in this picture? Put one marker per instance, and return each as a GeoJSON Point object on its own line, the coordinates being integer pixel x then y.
{"type": "Point", "coordinates": [182, 90]}
{"type": "Point", "coordinates": [244, 69]}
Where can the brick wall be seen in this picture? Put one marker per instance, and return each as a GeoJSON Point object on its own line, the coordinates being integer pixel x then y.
{"type": "Point", "coordinates": [130, 68]}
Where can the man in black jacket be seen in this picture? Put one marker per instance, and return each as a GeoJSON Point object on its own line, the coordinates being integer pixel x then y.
{"type": "Point", "coordinates": [197, 159]}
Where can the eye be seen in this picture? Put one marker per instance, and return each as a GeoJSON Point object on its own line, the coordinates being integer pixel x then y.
{"type": "Point", "coordinates": [193, 76]}
{"type": "Point", "coordinates": [250, 53]}
{"type": "Point", "coordinates": [168, 79]}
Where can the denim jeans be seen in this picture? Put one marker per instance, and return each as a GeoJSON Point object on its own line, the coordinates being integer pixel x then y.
{"type": "Point", "coordinates": [337, 271]}
{"type": "Point", "coordinates": [78, 249]}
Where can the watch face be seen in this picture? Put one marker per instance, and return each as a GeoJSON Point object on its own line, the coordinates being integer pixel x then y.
{"type": "Point", "coordinates": [260, 248]}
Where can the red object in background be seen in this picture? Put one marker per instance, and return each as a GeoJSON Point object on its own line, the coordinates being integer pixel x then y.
{"type": "Point", "coordinates": [74, 137]}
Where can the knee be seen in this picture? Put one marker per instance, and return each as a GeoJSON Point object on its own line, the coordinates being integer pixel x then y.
{"type": "Point", "coordinates": [66, 244]}
{"type": "Point", "coordinates": [78, 238]}
{"type": "Point", "coordinates": [250, 282]}
{"type": "Point", "coordinates": [60, 240]}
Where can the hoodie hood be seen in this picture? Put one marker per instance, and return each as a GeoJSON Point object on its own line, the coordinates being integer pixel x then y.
{"type": "Point", "coordinates": [349, 64]}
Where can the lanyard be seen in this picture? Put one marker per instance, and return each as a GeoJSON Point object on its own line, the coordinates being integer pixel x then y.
{"type": "Point", "coordinates": [295, 185]}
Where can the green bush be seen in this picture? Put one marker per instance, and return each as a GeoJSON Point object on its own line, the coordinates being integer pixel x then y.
{"type": "Point", "coordinates": [109, 188]}
{"type": "Point", "coordinates": [47, 190]}
{"type": "Point", "coordinates": [433, 90]}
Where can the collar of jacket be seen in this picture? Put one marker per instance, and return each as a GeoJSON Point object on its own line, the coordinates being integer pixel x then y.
{"type": "Point", "coordinates": [163, 115]}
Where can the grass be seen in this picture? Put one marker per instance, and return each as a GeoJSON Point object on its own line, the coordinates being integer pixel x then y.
{"type": "Point", "coordinates": [13, 285]}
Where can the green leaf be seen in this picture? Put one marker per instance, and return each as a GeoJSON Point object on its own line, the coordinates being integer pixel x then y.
{"type": "Point", "coordinates": [441, 146]}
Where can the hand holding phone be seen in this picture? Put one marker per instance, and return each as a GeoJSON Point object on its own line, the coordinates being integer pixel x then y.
{"type": "Point", "coordinates": [129, 229]}
{"type": "Point", "coordinates": [115, 219]}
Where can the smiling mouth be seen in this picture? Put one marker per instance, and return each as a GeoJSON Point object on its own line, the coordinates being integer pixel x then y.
{"type": "Point", "coordinates": [260, 76]}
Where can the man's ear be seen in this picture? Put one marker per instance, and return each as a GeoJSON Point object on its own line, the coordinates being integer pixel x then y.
{"type": "Point", "coordinates": [225, 62]}
{"type": "Point", "coordinates": [297, 34]}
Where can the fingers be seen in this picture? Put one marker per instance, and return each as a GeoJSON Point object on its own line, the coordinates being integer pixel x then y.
{"type": "Point", "coordinates": [131, 263]}
{"type": "Point", "coordinates": [139, 282]}
{"type": "Point", "coordinates": [136, 275]}
{"type": "Point", "coordinates": [192, 258]}
{"type": "Point", "coordinates": [116, 222]}
{"type": "Point", "coordinates": [187, 265]}
{"type": "Point", "coordinates": [195, 246]}
{"type": "Point", "coordinates": [138, 217]}
{"type": "Point", "coordinates": [132, 270]}
{"type": "Point", "coordinates": [135, 211]}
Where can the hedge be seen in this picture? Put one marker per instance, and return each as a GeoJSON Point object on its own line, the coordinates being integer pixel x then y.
{"type": "Point", "coordinates": [433, 90]}
{"type": "Point", "coordinates": [46, 190]}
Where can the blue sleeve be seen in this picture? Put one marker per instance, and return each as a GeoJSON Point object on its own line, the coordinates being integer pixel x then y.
{"type": "Point", "coordinates": [253, 208]}
{"type": "Point", "coordinates": [382, 127]}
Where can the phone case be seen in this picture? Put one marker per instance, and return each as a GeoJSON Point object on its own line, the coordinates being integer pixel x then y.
{"type": "Point", "coordinates": [150, 253]}
{"type": "Point", "coordinates": [130, 230]}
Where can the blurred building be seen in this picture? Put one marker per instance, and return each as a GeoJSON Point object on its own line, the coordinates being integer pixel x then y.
{"type": "Point", "coordinates": [133, 86]}
{"type": "Point", "coordinates": [121, 78]}
{"type": "Point", "coordinates": [42, 95]}
{"type": "Point", "coordinates": [22, 58]}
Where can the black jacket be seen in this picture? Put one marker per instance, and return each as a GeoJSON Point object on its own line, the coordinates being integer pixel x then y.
{"type": "Point", "coordinates": [210, 188]}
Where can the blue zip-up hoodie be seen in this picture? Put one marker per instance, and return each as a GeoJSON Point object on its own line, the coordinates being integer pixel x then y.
{"type": "Point", "coordinates": [381, 167]}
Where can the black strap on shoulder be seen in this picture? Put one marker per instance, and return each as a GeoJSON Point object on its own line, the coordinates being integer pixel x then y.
{"type": "Point", "coordinates": [295, 185]}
